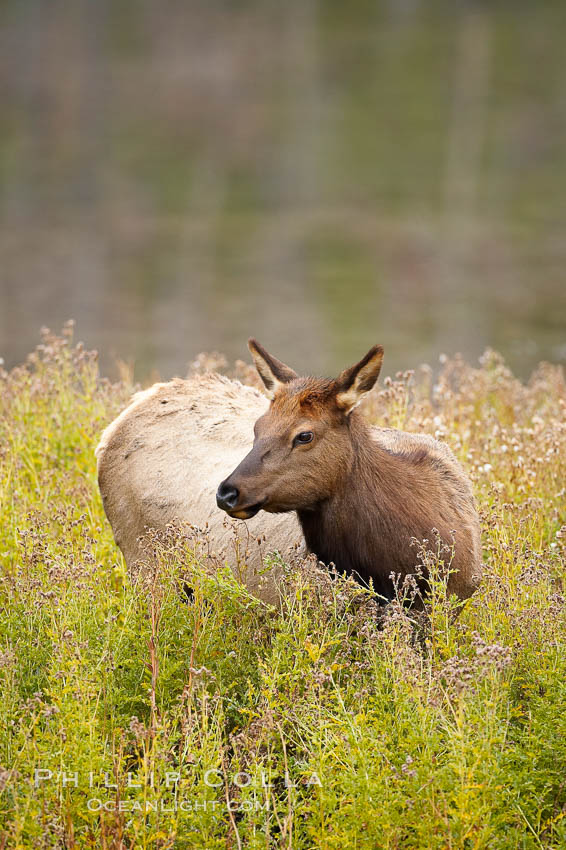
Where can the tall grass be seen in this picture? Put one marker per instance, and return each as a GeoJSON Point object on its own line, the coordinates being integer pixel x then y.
{"type": "Point", "coordinates": [135, 717]}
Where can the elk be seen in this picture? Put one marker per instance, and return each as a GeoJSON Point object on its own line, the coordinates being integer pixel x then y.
{"type": "Point", "coordinates": [354, 495]}
{"type": "Point", "coordinates": [361, 494]}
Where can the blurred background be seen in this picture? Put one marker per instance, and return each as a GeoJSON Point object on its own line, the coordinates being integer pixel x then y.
{"type": "Point", "coordinates": [178, 175]}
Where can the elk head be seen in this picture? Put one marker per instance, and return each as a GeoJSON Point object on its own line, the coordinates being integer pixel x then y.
{"type": "Point", "coordinates": [303, 446]}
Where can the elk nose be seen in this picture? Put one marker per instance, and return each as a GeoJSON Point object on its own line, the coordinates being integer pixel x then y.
{"type": "Point", "coordinates": [227, 496]}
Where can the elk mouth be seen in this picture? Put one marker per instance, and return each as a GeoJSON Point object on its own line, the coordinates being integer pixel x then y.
{"type": "Point", "coordinates": [247, 513]}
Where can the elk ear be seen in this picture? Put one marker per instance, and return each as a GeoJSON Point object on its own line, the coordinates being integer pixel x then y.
{"type": "Point", "coordinates": [353, 383]}
{"type": "Point", "coordinates": [272, 371]}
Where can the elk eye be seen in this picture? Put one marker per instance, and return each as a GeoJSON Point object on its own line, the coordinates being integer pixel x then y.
{"type": "Point", "coordinates": [303, 438]}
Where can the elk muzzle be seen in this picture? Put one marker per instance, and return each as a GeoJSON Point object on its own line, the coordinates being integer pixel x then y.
{"type": "Point", "coordinates": [228, 498]}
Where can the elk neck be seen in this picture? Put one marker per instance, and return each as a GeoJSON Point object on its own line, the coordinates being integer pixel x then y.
{"type": "Point", "coordinates": [365, 527]}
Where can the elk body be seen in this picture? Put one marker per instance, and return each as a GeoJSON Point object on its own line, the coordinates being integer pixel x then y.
{"type": "Point", "coordinates": [360, 494]}
{"type": "Point", "coordinates": [161, 460]}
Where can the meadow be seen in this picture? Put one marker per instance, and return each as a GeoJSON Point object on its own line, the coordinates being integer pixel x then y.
{"type": "Point", "coordinates": [135, 716]}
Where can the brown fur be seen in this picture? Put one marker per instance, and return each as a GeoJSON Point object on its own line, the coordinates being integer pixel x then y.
{"type": "Point", "coordinates": [361, 494]}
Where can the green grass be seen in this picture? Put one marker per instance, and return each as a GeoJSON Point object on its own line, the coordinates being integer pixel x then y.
{"type": "Point", "coordinates": [446, 732]}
